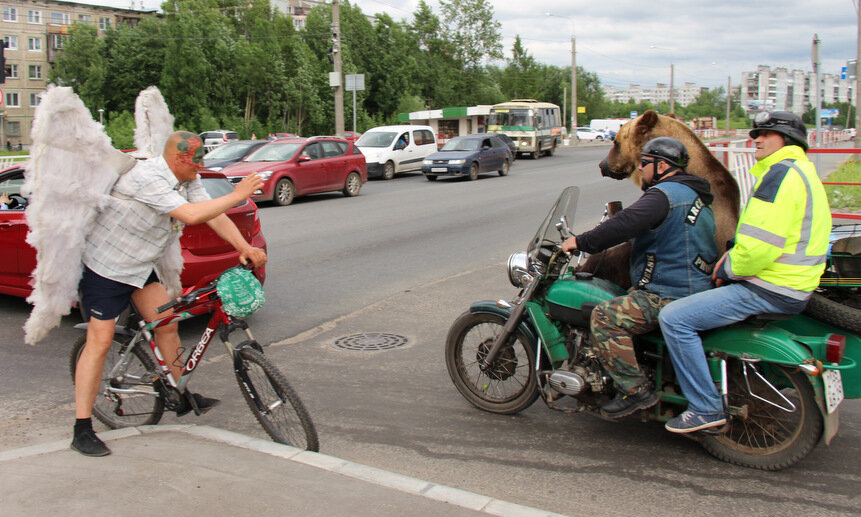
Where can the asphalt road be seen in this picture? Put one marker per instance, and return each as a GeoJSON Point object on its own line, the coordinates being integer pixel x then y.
{"type": "Point", "coordinates": [406, 257]}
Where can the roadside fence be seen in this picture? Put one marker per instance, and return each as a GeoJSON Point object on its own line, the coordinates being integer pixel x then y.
{"type": "Point", "coordinates": [8, 161]}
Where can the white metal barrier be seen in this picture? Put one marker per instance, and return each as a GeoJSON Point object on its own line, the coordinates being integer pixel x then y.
{"type": "Point", "coordinates": [8, 161]}
{"type": "Point", "coordinates": [738, 158]}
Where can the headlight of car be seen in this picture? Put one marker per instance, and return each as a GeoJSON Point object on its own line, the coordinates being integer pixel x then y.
{"type": "Point", "coordinates": [456, 162]}
{"type": "Point", "coordinates": [265, 175]}
{"type": "Point", "coordinates": [518, 269]}
{"type": "Point", "coordinates": [427, 162]}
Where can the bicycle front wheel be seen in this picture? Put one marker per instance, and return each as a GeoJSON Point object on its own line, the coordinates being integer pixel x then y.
{"type": "Point", "coordinates": [128, 398]}
{"type": "Point", "coordinates": [273, 401]}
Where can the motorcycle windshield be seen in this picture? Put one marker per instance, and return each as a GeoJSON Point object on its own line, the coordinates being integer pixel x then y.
{"type": "Point", "coordinates": [564, 209]}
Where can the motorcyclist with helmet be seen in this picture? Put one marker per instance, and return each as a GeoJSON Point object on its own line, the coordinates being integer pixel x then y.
{"type": "Point", "coordinates": [778, 256]}
{"type": "Point", "coordinates": [673, 252]}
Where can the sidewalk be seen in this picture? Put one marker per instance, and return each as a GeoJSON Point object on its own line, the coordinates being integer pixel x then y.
{"type": "Point", "coordinates": [202, 470]}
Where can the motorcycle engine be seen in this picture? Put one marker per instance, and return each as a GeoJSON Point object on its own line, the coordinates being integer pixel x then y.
{"type": "Point", "coordinates": [566, 383]}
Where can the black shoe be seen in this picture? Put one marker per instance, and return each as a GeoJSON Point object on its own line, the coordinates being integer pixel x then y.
{"type": "Point", "coordinates": [201, 403]}
{"type": "Point", "coordinates": [88, 444]}
{"type": "Point", "coordinates": [624, 404]}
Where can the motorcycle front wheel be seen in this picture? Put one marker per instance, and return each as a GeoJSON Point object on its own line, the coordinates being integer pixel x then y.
{"type": "Point", "coordinates": [775, 429]}
{"type": "Point", "coordinates": [505, 386]}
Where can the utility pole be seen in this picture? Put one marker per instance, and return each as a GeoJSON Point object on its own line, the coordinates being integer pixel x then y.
{"type": "Point", "coordinates": [672, 90]}
{"type": "Point", "coordinates": [336, 58]}
{"type": "Point", "coordinates": [728, 103]}
{"type": "Point", "coordinates": [818, 138]}
{"type": "Point", "coordinates": [574, 89]}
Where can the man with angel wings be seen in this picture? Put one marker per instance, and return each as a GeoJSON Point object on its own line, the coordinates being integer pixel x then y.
{"type": "Point", "coordinates": [115, 238]}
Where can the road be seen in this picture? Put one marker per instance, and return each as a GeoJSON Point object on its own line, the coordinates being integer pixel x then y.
{"type": "Point", "coordinates": [406, 257]}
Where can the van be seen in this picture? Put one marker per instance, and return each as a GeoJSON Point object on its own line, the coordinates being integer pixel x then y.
{"type": "Point", "coordinates": [390, 150]}
{"type": "Point", "coordinates": [212, 139]}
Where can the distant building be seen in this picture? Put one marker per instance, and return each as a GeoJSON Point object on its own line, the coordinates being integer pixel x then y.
{"type": "Point", "coordinates": [660, 93]}
{"type": "Point", "coordinates": [784, 90]}
{"type": "Point", "coordinates": [34, 32]}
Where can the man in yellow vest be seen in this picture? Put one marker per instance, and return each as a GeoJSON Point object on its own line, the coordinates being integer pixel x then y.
{"type": "Point", "coordinates": [774, 266]}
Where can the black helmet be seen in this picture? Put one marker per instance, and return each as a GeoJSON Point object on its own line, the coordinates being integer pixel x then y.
{"type": "Point", "coordinates": [783, 122]}
{"type": "Point", "coordinates": [667, 149]}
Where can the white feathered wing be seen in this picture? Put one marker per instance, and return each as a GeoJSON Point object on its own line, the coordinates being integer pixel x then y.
{"type": "Point", "coordinates": [68, 179]}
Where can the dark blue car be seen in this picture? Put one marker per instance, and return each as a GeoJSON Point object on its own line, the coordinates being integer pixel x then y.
{"type": "Point", "coordinates": [469, 156]}
{"type": "Point", "coordinates": [230, 153]}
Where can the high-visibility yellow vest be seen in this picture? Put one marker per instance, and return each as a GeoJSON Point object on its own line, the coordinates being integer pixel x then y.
{"type": "Point", "coordinates": [782, 237]}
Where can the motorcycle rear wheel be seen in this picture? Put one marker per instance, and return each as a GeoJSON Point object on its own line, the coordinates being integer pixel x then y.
{"type": "Point", "coordinates": [506, 386]}
{"type": "Point", "coordinates": [767, 437]}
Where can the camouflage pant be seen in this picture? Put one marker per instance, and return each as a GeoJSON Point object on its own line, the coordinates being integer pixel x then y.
{"type": "Point", "coordinates": [613, 324]}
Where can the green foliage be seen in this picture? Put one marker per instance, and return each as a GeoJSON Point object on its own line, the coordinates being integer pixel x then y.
{"type": "Point", "coordinates": [247, 68]}
{"type": "Point", "coordinates": [121, 130]}
{"type": "Point", "coordinates": [845, 197]}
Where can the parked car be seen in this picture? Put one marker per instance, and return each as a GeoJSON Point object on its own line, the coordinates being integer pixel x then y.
{"type": "Point", "coordinates": [587, 133]}
{"type": "Point", "coordinates": [276, 136]}
{"type": "Point", "coordinates": [230, 152]}
{"type": "Point", "coordinates": [205, 254]}
{"type": "Point", "coordinates": [469, 156]}
{"type": "Point", "coordinates": [217, 137]}
{"type": "Point", "coordinates": [389, 150]}
{"type": "Point", "coordinates": [352, 136]}
{"type": "Point", "coordinates": [293, 167]}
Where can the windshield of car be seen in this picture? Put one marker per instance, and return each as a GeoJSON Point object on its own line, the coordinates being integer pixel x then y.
{"type": "Point", "coordinates": [217, 187]}
{"type": "Point", "coordinates": [510, 117]}
{"type": "Point", "coordinates": [565, 206]}
{"type": "Point", "coordinates": [461, 144]}
{"type": "Point", "coordinates": [229, 151]}
{"type": "Point", "coordinates": [273, 153]}
{"type": "Point", "coordinates": [376, 139]}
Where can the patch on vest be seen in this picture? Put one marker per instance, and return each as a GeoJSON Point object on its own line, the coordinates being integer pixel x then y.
{"type": "Point", "coordinates": [694, 212]}
{"type": "Point", "coordinates": [648, 271]}
{"type": "Point", "coordinates": [703, 265]}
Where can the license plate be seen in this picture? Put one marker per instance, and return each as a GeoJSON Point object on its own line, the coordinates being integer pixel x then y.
{"type": "Point", "coordinates": [439, 169]}
{"type": "Point", "coordinates": [833, 389]}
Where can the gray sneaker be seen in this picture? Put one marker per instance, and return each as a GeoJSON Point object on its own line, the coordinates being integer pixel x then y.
{"type": "Point", "coordinates": [689, 422]}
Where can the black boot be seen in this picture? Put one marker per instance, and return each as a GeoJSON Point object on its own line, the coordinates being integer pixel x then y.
{"type": "Point", "coordinates": [201, 403]}
{"type": "Point", "coordinates": [624, 404]}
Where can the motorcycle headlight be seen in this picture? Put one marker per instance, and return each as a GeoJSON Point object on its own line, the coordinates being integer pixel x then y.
{"type": "Point", "coordinates": [518, 268]}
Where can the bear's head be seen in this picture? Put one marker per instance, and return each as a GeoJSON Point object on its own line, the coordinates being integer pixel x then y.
{"type": "Point", "coordinates": [622, 160]}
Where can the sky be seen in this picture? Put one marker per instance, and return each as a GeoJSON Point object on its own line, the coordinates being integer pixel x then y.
{"type": "Point", "coordinates": [629, 42]}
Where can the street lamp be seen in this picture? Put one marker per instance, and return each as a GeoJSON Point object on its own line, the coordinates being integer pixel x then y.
{"type": "Point", "coordinates": [101, 112]}
{"type": "Point", "coordinates": [573, 76]}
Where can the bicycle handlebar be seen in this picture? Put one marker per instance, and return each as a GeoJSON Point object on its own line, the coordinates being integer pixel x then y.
{"type": "Point", "coordinates": [193, 295]}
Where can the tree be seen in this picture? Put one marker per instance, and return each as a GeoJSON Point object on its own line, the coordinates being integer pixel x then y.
{"type": "Point", "coordinates": [471, 28]}
{"type": "Point", "coordinates": [82, 65]}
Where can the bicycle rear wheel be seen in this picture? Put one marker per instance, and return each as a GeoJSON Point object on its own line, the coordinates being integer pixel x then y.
{"type": "Point", "coordinates": [128, 399]}
{"type": "Point", "coordinates": [273, 401]}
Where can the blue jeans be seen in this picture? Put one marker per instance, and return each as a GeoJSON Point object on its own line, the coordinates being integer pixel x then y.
{"type": "Point", "coordinates": [680, 323]}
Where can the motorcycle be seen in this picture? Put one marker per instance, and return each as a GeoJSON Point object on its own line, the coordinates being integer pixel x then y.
{"type": "Point", "coordinates": [781, 377]}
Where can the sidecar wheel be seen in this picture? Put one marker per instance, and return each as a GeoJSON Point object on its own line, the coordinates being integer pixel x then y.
{"type": "Point", "coordinates": [766, 437]}
{"type": "Point", "coordinates": [505, 387]}
{"type": "Point", "coordinates": [840, 308]}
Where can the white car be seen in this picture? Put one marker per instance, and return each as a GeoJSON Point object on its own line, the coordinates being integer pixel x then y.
{"type": "Point", "coordinates": [587, 133]}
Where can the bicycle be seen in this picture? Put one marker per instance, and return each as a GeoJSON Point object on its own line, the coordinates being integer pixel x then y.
{"type": "Point", "coordinates": [137, 386]}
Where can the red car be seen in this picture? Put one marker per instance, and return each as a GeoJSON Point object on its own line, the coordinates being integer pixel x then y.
{"type": "Point", "coordinates": [205, 254]}
{"type": "Point", "coordinates": [293, 167]}
{"type": "Point", "coordinates": [352, 136]}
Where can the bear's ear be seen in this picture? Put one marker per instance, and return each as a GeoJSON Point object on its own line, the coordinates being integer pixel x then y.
{"type": "Point", "coordinates": [647, 121]}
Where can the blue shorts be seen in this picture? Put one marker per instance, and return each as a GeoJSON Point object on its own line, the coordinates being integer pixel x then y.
{"type": "Point", "coordinates": [103, 298]}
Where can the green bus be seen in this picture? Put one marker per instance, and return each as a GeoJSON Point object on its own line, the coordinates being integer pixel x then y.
{"type": "Point", "coordinates": [535, 127]}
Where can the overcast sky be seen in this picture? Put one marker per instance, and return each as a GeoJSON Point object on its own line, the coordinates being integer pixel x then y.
{"type": "Point", "coordinates": [635, 41]}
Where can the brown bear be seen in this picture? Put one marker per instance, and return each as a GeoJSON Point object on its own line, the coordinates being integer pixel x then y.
{"type": "Point", "coordinates": [621, 162]}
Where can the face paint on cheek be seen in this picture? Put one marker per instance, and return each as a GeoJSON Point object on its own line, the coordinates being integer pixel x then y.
{"type": "Point", "coordinates": [198, 156]}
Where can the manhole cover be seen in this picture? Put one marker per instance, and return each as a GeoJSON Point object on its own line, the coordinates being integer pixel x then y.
{"type": "Point", "coordinates": [370, 341]}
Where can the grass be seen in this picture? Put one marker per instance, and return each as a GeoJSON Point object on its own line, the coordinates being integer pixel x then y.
{"type": "Point", "coordinates": [845, 197]}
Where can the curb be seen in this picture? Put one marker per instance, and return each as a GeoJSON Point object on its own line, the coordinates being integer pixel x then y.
{"type": "Point", "coordinates": [373, 475]}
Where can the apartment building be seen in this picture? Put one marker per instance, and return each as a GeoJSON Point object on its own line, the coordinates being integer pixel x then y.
{"type": "Point", "coordinates": [660, 93]}
{"type": "Point", "coordinates": [34, 32]}
{"type": "Point", "coordinates": [791, 90]}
